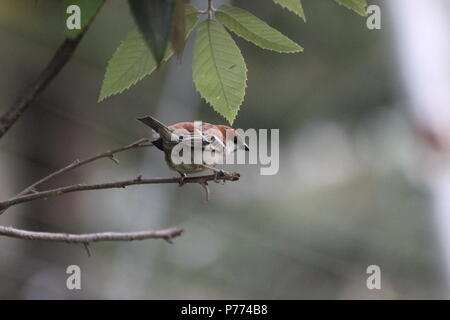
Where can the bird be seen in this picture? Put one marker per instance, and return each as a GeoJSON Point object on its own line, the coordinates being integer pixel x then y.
{"type": "Point", "coordinates": [214, 141]}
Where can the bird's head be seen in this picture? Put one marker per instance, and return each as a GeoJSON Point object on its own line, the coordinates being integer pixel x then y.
{"type": "Point", "coordinates": [232, 138]}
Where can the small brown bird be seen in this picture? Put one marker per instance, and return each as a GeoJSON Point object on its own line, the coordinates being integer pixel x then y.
{"type": "Point", "coordinates": [214, 142]}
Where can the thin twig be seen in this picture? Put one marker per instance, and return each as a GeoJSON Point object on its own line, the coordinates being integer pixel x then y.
{"type": "Point", "coordinates": [86, 239]}
{"type": "Point", "coordinates": [77, 163]}
{"type": "Point", "coordinates": [118, 184]}
{"type": "Point", "coordinates": [88, 250]}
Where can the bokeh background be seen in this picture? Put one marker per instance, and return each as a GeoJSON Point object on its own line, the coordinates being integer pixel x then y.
{"type": "Point", "coordinates": [353, 189]}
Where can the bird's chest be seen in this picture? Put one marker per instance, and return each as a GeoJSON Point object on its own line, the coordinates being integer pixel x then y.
{"type": "Point", "coordinates": [191, 160]}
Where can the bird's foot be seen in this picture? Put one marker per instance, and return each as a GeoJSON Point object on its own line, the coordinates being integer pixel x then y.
{"type": "Point", "coordinates": [207, 192]}
{"type": "Point", "coordinates": [182, 177]}
{"type": "Point", "coordinates": [219, 175]}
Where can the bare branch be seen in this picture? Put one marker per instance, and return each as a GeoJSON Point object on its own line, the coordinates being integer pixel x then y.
{"type": "Point", "coordinates": [60, 58]}
{"type": "Point", "coordinates": [62, 55]}
{"type": "Point", "coordinates": [77, 163]}
{"type": "Point", "coordinates": [85, 239]}
{"type": "Point", "coordinates": [223, 176]}
{"type": "Point", "coordinates": [31, 194]}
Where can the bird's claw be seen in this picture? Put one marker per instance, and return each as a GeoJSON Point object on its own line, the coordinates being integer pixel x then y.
{"type": "Point", "coordinates": [205, 186]}
{"type": "Point", "coordinates": [181, 181]}
{"type": "Point", "coordinates": [218, 173]}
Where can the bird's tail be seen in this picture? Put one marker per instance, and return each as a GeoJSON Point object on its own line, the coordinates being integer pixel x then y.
{"type": "Point", "coordinates": [159, 127]}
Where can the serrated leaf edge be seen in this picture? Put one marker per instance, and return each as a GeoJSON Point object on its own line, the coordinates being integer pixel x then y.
{"type": "Point", "coordinates": [103, 97]}
{"type": "Point", "coordinates": [301, 49]}
{"type": "Point", "coordinates": [352, 9]}
{"type": "Point", "coordinates": [230, 120]}
{"type": "Point", "coordinates": [303, 17]}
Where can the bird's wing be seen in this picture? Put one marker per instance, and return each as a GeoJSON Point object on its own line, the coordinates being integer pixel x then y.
{"type": "Point", "coordinates": [205, 140]}
{"type": "Point", "coordinates": [164, 131]}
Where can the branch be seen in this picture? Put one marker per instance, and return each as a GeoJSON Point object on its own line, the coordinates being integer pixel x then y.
{"type": "Point", "coordinates": [224, 176]}
{"type": "Point", "coordinates": [166, 234]}
{"type": "Point", "coordinates": [62, 55]}
{"type": "Point", "coordinates": [77, 163]}
{"type": "Point", "coordinates": [30, 194]}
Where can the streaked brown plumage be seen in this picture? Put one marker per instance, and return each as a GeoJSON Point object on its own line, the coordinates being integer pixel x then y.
{"type": "Point", "coordinates": [212, 139]}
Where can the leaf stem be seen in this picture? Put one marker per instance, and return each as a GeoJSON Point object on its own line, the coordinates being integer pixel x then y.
{"type": "Point", "coordinates": [210, 9]}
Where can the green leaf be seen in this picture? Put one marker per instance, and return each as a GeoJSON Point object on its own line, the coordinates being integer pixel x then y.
{"type": "Point", "coordinates": [359, 6]}
{"type": "Point", "coordinates": [292, 5]}
{"type": "Point", "coordinates": [132, 60]}
{"type": "Point", "coordinates": [218, 69]}
{"type": "Point", "coordinates": [253, 29]}
{"type": "Point", "coordinates": [154, 19]}
{"type": "Point", "coordinates": [88, 10]}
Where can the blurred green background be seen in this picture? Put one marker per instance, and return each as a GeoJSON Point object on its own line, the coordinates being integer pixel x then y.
{"type": "Point", "coordinates": [347, 195]}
